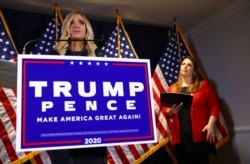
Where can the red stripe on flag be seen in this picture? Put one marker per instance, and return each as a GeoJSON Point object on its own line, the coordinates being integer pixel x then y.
{"type": "Point", "coordinates": [14, 91]}
{"type": "Point", "coordinates": [121, 154]}
{"type": "Point", "coordinates": [38, 159]}
{"type": "Point", "coordinates": [7, 143]}
{"type": "Point", "coordinates": [145, 147]}
{"type": "Point", "coordinates": [109, 157]}
{"type": "Point", "coordinates": [161, 129]}
{"type": "Point", "coordinates": [134, 151]}
{"type": "Point", "coordinates": [158, 82]}
{"type": "Point", "coordinates": [15, 59]}
{"type": "Point", "coordinates": [8, 107]}
{"type": "Point", "coordinates": [156, 98]}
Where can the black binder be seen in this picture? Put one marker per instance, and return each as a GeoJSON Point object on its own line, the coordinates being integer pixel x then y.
{"type": "Point", "coordinates": [183, 99]}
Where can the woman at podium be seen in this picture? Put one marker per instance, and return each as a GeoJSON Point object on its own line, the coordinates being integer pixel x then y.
{"type": "Point", "coordinates": [77, 39]}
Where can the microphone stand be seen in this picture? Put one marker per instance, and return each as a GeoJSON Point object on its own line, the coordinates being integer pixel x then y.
{"type": "Point", "coordinates": [58, 40]}
{"type": "Point", "coordinates": [27, 43]}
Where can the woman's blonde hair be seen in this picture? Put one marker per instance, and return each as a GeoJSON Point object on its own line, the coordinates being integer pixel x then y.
{"type": "Point", "coordinates": [196, 78]}
{"type": "Point", "coordinates": [62, 46]}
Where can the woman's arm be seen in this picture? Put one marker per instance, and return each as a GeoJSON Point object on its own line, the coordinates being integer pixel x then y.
{"type": "Point", "coordinates": [210, 128]}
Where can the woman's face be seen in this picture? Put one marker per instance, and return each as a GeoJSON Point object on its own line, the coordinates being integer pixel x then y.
{"type": "Point", "coordinates": [187, 68]}
{"type": "Point", "coordinates": [77, 27]}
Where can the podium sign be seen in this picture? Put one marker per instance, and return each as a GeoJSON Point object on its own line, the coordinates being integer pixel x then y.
{"type": "Point", "coordinates": [76, 102]}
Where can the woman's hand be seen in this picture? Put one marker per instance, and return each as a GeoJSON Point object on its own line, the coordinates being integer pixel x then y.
{"type": "Point", "coordinates": [210, 129]}
{"type": "Point", "coordinates": [210, 133]}
{"type": "Point", "coordinates": [173, 110]}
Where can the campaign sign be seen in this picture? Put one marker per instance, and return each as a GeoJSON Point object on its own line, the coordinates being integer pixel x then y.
{"type": "Point", "coordinates": [78, 102]}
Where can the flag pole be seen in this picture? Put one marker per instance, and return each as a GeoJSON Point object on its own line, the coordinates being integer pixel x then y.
{"type": "Point", "coordinates": [118, 34]}
{"type": "Point", "coordinates": [126, 34]}
{"type": "Point", "coordinates": [179, 32]}
{"type": "Point", "coordinates": [178, 40]}
{"type": "Point", "coordinates": [7, 30]}
{"type": "Point", "coordinates": [58, 10]}
{"type": "Point", "coordinates": [56, 20]}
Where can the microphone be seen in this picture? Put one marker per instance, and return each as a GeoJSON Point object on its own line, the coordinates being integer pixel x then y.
{"type": "Point", "coordinates": [58, 40]}
{"type": "Point", "coordinates": [98, 40]}
{"type": "Point", "coordinates": [27, 43]}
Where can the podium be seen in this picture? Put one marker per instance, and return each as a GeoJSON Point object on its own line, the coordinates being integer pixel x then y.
{"type": "Point", "coordinates": [8, 74]}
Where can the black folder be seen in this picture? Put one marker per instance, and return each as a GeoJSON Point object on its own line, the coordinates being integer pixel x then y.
{"type": "Point", "coordinates": [183, 99]}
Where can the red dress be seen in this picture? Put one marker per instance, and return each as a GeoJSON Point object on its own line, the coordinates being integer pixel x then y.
{"type": "Point", "coordinates": [204, 105]}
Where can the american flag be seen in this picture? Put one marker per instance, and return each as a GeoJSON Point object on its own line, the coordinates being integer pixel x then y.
{"type": "Point", "coordinates": [8, 110]}
{"type": "Point", "coordinates": [118, 44]}
{"type": "Point", "coordinates": [47, 41]}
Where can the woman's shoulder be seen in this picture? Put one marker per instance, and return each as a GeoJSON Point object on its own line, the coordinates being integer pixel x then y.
{"type": "Point", "coordinates": [205, 82]}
